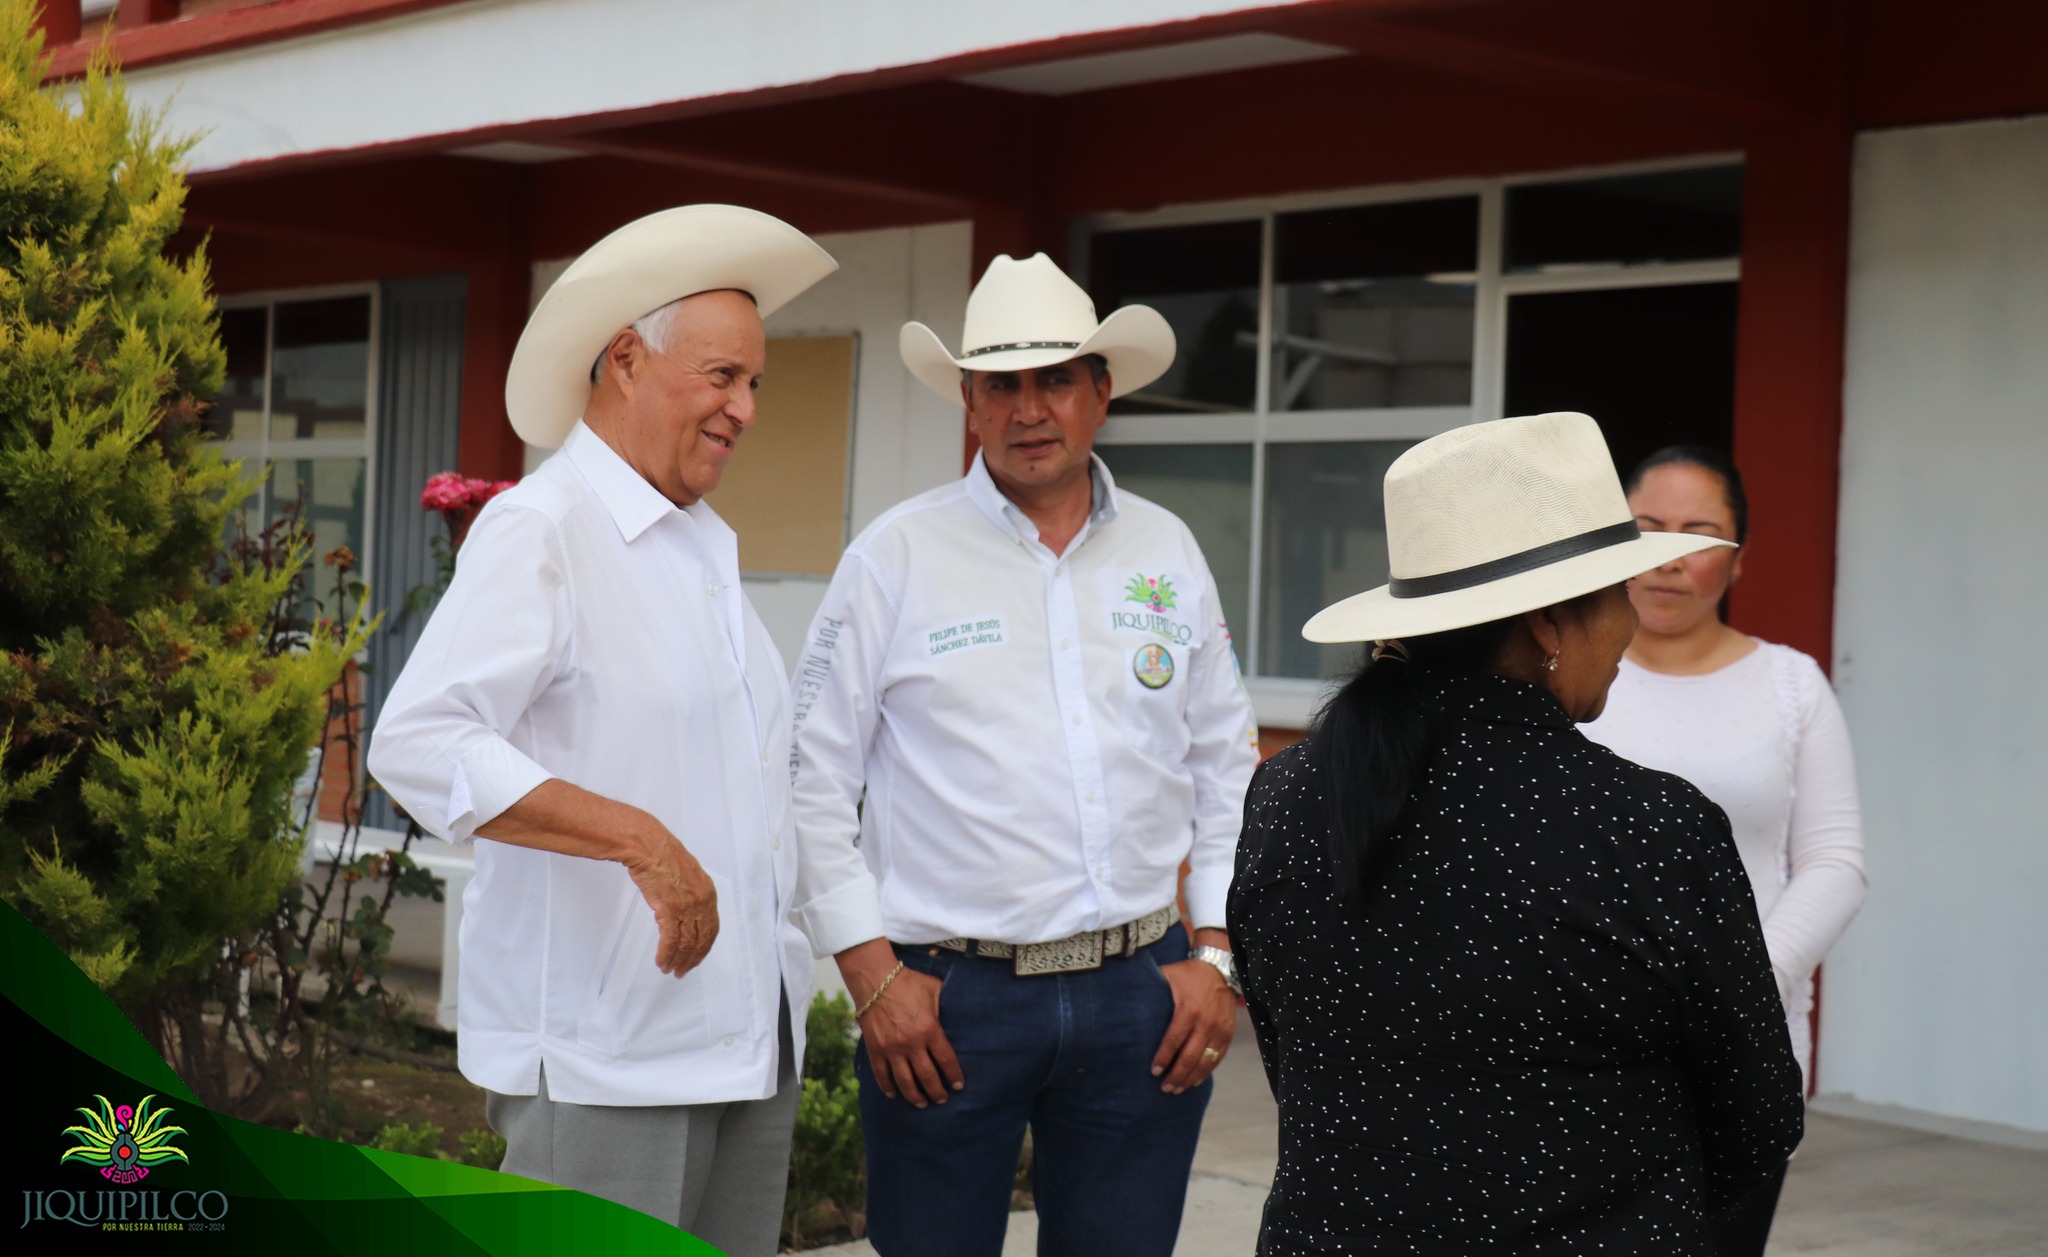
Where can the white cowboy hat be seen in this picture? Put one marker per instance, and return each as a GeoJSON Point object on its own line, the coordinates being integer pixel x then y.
{"type": "Point", "coordinates": [637, 269]}
{"type": "Point", "coordinates": [1029, 314]}
{"type": "Point", "coordinates": [1494, 519]}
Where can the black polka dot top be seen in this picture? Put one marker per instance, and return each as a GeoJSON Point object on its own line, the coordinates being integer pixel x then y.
{"type": "Point", "coordinates": [1551, 1027]}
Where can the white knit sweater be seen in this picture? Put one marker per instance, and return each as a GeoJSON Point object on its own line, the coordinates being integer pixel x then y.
{"type": "Point", "coordinates": [1764, 738]}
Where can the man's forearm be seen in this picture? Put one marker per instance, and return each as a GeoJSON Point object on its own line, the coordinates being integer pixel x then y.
{"type": "Point", "coordinates": [863, 966]}
{"type": "Point", "coordinates": [569, 820]}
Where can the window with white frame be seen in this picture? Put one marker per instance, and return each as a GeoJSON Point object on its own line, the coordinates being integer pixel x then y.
{"type": "Point", "coordinates": [297, 401]}
{"type": "Point", "coordinates": [1322, 336]}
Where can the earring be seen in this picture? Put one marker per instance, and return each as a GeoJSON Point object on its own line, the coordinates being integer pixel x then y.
{"type": "Point", "coordinates": [1550, 664]}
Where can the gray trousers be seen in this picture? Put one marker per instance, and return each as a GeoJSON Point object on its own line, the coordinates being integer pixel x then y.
{"type": "Point", "coordinates": [718, 1171]}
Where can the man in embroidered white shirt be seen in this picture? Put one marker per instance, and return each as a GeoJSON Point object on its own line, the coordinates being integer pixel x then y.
{"type": "Point", "coordinates": [596, 700]}
{"type": "Point", "coordinates": [1018, 715]}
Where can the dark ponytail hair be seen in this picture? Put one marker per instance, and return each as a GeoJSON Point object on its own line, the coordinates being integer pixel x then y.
{"type": "Point", "coordinates": [1706, 458]}
{"type": "Point", "coordinates": [1371, 741]}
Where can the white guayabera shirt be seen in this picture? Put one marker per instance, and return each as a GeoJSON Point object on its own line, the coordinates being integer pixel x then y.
{"type": "Point", "coordinates": [1041, 739]}
{"type": "Point", "coordinates": [596, 633]}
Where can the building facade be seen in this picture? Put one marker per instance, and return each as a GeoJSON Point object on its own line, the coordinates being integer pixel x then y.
{"type": "Point", "coordinates": [1813, 230]}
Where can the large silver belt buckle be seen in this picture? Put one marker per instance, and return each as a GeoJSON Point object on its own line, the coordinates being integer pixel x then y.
{"type": "Point", "coordinates": [1078, 954]}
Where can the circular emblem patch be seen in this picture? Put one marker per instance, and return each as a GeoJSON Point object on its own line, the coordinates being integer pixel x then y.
{"type": "Point", "coordinates": [1153, 665]}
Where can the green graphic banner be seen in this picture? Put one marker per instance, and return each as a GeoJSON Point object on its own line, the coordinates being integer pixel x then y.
{"type": "Point", "coordinates": [112, 1153]}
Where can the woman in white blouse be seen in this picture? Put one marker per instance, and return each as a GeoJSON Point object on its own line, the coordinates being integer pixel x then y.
{"type": "Point", "coordinates": [1756, 727]}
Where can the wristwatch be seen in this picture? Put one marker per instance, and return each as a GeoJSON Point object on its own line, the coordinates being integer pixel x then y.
{"type": "Point", "coordinates": [1223, 963]}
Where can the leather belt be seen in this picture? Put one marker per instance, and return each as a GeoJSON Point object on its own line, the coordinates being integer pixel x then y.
{"type": "Point", "coordinates": [1077, 953]}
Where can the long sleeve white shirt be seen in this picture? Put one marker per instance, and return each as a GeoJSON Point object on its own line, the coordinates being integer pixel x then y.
{"type": "Point", "coordinates": [1765, 739]}
{"type": "Point", "coordinates": [997, 742]}
{"type": "Point", "coordinates": [597, 634]}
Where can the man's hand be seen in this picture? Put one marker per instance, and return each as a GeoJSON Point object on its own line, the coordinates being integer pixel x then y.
{"type": "Point", "coordinates": [1204, 1019]}
{"type": "Point", "coordinates": [569, 820]}
{"type": "Point", "coordinates": [908, 1051]}
{"type": "Point", "coordinates": [684, 901]}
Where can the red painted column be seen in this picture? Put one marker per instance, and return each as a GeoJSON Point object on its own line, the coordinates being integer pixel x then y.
{"type": "Point", "coordinates": [60, 22]}
{"type": "Point", "coordinates": [129, 14]}
{"type": "Point", "coordinates": [494, 314]}
{"type": "Point", "coordinates": [1788, 380]}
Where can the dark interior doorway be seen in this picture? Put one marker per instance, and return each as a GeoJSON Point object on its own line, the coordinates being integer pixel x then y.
{"type": "Point", "coordinates": [1655, 366]}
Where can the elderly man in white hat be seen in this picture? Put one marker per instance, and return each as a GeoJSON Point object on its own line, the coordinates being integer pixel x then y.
{"type": "Point", "coordinates": [596, 700]}
{"type": "Point", "coordinates": [1018, 716]}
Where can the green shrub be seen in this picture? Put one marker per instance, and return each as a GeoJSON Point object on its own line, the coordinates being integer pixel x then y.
{"type": "Point", "coordinates": [421, 1139]}
{"type": "Point", "coordinates": [485, 1148]}
{"type": "Point", "coordinates": [827, 1166]}
{"type": "Point", "coordinates": [150, 730]}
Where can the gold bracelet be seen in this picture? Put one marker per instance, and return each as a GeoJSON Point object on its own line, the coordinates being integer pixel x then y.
{"type": "Point", "coordinates": [878, 991]}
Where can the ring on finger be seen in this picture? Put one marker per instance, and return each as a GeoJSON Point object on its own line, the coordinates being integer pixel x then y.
{"type": "Point", "coordinates": [1210, 1056]}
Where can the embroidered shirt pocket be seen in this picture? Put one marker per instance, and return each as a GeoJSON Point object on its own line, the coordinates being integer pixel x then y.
{"type": "Point", "coordinates": [1155, 690]}
{"type": "Point", "coordinates": [1153, 628]}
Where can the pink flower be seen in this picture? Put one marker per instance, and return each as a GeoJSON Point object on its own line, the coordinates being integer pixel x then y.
{"type": "Point", "coordinates": [445, 492]}
{"type": "Point", "coordinates": [458, 498]}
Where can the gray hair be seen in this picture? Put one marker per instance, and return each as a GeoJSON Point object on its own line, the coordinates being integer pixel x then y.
{"type": "Point", "coordinates": [652, 328]}
{"type": "Point", "coordinates": [1098, 370]}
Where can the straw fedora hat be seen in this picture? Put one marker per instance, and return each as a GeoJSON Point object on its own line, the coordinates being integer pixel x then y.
{"type": "Point", "coordinates": [1494, 519]}
{"type": "Point", "coordinates": [1029, 314]}
{"type": "Point", "coordinates": [637, 269]}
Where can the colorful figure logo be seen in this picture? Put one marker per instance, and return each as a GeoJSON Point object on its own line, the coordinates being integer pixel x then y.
{"type": "Point", "coordinates": [1153, 666]}
{"type": "Point", "coordinates": [1155, 592]}
{"type": "Point", "coordinates": [125, 1142]}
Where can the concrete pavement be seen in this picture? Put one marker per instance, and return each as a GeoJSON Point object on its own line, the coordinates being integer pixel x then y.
{"type": "Point", "coordinates": [1858, 1188]}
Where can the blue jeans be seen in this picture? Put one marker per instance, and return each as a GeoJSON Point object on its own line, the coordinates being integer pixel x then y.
{"type": "Point", "coordinates": [1068, 1054]}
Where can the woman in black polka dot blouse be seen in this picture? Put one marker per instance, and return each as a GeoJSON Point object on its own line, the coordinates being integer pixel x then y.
{"type": "Point", "coordinates": [1510, 988]}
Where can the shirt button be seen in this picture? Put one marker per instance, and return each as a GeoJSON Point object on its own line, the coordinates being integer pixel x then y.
{"type": "Point", "coordinates": [777, 846]}
{"type": "Point", "coordinates": [711, 587]}
{"type": "Point", "coordinates": [1090, 796]}
{"type": "Point", "coordinates": [1064, 643]}
{"type": "Point", "coordinates": [1077, 720]}
{"type": "Point", "coordinates": [728, 1040]}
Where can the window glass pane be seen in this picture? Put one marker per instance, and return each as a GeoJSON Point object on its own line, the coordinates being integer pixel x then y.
{"type": "Point", "coordinates": [1325, 538]}
{"type": "Point", "coordinates": [1210, 488]}
{"type": "Point", "coordinates": [1205, 280]}
{"type": "Point", "coordinates": [237, 413]}
{"type": "Point", "coordinates": [331, 493]}
{"type": "Point", "coordinates": [1372, 305]}
{"type": "Point", "coordinates": [1676, 216]}
{"type": "Point", "coordinates": [1656, 366]}
{"type": "Point", "coordinates": [320, 369]}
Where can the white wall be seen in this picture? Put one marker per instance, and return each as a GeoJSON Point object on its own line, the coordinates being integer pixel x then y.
{"type": "Point", "coordinates": [906, 439]}
{"type": "Point", "coordinates": [1938, 997]}
{"type": "Point", "coordinates": [495, 63]}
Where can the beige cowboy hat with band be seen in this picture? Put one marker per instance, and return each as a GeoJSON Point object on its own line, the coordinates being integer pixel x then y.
{"type": "Point", "coordinates": [1028, 314]}
{"type": "Point", "coordinates": [633, 272]}
{"type": "Point", "coordinates": [1495, 519]}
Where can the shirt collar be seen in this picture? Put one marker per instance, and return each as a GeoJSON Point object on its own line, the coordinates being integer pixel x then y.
{"type": "Point", "coordinates": [635, 505]}
{"type": "Point", "coordinates": [1005, 514]}
{"type": "Point", "coordinates": [1499, 700]}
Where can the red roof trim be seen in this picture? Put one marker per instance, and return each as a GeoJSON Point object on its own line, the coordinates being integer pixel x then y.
{"type": "Point", "coordinates": [1269, 15]}
{"type": "Point", "coordinates": [227, 29]}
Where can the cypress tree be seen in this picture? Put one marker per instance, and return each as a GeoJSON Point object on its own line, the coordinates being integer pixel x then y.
{"type": "Point", "coordinates": [151, 730]}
